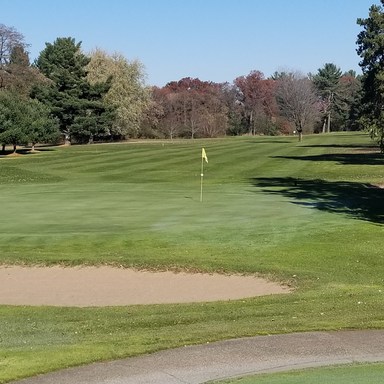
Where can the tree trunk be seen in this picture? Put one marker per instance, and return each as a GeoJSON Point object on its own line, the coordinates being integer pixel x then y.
{"type": "Point", "coordinates": [330, 100]}
{"type": "Point", "coordinates": [329, 122]}
{"type": "Point", "coordinates": [251, 131]}
{"type": "Point", "coordinates": [14, 148]}
{"type": "Point", "coordinates": [300, 131]}
{"type": "Point", "coordinates": [192, 129]}
{"type": "Point", "coordinates": [67, 139]}
{"type": "Point", "coordinates": [185, 112]}
{"type": "Point", "coordinates": [3, 148]}
{"type": "Point", "coordinates": [324, 124]}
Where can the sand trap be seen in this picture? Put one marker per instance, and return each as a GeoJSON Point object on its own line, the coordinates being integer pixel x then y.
{"type": "Point", "coordinates": [107, 286]}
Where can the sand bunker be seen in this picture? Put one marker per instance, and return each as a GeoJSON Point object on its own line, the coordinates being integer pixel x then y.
{"type": "Point", "coordinates": [107, 286]}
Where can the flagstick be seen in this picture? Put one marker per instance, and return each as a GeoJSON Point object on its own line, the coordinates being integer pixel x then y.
{"type": "Point", "coordinates": [201, 179]}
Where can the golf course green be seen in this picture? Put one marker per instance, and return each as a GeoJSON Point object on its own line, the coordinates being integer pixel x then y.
{"type": "Point", "coordinates": [308, 214]}
{"type": "Point", "coordinates": [343, 374]}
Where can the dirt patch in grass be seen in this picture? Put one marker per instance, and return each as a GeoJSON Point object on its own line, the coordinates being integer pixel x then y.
{"type": "Point", "coordinates": [108, 286]}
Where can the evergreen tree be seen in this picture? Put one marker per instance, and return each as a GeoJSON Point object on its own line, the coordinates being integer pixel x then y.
{"type": "Point", "coordinates": [76, 103]}
{"type": "Point", "coordinates": [13, 120]}
{"type": "Point", "coordinates": [327, 83]}
{"type": "Point", "coordinates": [41, 127]}
{"type": "Point", "coordinates": [24, 121]}
{"type": "Point", "coordinates": [351, 91]}
{"type": "Point", "coordinates": [371, 49]}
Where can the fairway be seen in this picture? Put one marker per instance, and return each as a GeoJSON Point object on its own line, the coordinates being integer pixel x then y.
{"type": "Point", "coordinates": [266, 201]}
{"type": "Point", "coordinates": [305, 214]}
{"type": "Point", "coordinates": [349, 374]}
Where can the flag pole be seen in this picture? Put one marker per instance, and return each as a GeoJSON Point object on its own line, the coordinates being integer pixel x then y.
{"type": "Point", "coordinates": [201, 179]}
{"type": "Point", "coordinates": [203, 157]}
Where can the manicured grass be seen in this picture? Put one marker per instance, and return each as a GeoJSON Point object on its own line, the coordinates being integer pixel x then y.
{"type": "Point", "coordinates": [301, 213]}
{"type": "Point", "coordinates": [348, 374]}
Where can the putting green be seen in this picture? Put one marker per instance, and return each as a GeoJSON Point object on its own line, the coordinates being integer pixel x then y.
{"type": "Point", "coordinates": [344, 374]}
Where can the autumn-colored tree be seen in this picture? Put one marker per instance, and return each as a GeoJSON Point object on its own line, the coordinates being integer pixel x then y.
{"type": "Point", "coordinates": [153, 115]}
{"type": "Point", "coordinates": [127, 93]}
{"type": "Point", "coordinates": [166, 117]}
{"type": "Point", "coordinates": [256, 95]}
{"type": "Point", "coordinates": [194, 108]}
{"type": "Point", "coordinates": [215, 114]}
{"type": "Point", "coordinates": [16, 73]}
{"type": "Point", "coordinates": [185, 96]}
{"type": "Point", "coordinates": [173, 117]}
{"type": "Point", "coordinates": [9, 39]}
{"type": "Point", "coordinates": [235, 116]}
{"type": "Point", "coordinates": [21, 76]}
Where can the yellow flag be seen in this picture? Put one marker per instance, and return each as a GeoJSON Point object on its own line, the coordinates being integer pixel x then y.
{"type": "Point", "coordinates": [204, 155]}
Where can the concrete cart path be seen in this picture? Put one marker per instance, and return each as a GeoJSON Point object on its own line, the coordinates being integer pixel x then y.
{"type": "Point", "coordinates": [230, 358]}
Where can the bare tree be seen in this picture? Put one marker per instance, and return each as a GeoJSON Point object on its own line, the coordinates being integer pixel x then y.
{"type": "Point", "coordinates": [214, 117]}
{"type": "Point", "coordinates": [297, 101]}
{"type": "Point", "coordinates": [9, 40]}
{"type": "Point", "coordinates": [171, 121]}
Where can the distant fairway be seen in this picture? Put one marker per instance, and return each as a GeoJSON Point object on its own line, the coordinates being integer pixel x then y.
{"type": "Point", "coordinates": [305, 213]}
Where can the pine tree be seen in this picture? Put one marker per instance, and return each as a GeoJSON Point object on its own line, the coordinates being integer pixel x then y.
{"type": "Point", "coordinates": [24, 121]}
{"type": "Point", "coordinates": [327, 83]}
{"type": "Point", "coordinates": [371, 49]}
{"type": "Point", "coordinates": [76, 103]}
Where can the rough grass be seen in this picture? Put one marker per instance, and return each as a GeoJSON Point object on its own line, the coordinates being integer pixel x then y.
{"type": "Point", "coordinates": [307, 214]}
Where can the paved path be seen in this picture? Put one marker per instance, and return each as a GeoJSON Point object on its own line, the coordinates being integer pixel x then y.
{"type": "Point", "coordinates": [231, 358]}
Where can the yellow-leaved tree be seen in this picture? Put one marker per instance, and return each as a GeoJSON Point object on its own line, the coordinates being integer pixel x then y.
{"type": "Point", "coordinates": [128, 92]}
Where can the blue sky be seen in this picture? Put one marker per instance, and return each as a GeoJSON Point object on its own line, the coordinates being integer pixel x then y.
{"type": "Point", "coordinates": [213, 40]}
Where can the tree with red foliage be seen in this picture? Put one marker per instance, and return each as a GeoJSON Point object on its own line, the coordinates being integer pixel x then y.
{"type": "Point", "coordinates": [192, 108]}
{"type": "Point", "coordinates": [256, 95]}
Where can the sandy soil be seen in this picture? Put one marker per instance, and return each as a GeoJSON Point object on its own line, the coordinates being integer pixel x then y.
{"type": "Point", "coordinates": [107, 286]}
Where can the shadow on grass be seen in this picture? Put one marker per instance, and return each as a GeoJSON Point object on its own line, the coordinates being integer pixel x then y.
{"type": "Point", "coordinates": [359, 200]}
{"type": "Point", "coordinates": [24, 152]}
{"type": "Point", "coordinates": [342, 158]}
{"type": "Point", "coordinates": [357, 146]}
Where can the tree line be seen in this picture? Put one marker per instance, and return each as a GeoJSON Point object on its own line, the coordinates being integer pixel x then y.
{"type": "Point", "coordinates": [67, 95]}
